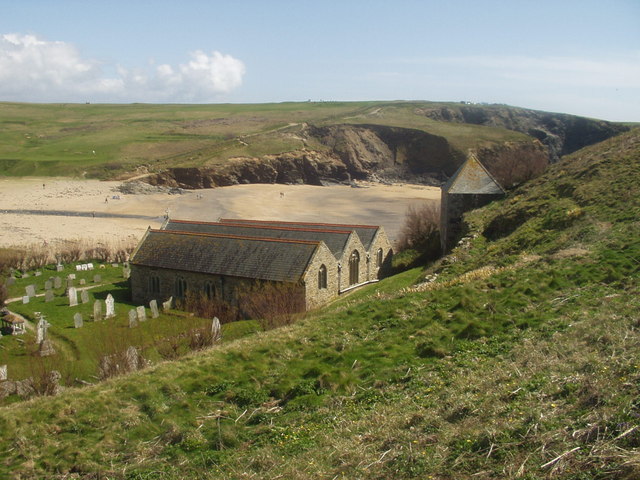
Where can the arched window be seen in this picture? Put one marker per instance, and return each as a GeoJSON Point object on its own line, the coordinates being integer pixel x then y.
{"type": "Point", "coordinates": [322, 277]}
{"type": "Point", "coordinates": [154, 284]}
{"type": "Point", "coordinates": [379, 258]}
{"type": "Point", "coordinates": [209, 290]}
{"type": "Point", "coordinates": [354, 267]}
{"type": "Point", "coordinates": [180, 287]}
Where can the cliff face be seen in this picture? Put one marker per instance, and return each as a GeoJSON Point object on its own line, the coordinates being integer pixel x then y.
{"type": "Point", "coordinates": [361, 152]}
{"type": "Point", "coordinates": [560, 133]}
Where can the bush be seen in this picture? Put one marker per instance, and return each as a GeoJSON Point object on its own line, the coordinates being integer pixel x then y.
{"type": "Point", "coordinates": [273, 305]}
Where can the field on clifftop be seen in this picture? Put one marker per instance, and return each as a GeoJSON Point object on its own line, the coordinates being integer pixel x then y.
{"type": "Point", "coordinates": [516, 356]}
{"type": "Point", "coordinates": [124, 141]}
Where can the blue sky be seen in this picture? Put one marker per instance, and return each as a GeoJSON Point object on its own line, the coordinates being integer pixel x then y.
{"type": "Point", "coordinates": [580, 57]}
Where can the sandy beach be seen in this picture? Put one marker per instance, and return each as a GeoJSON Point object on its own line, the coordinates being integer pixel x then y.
{"type": "Point", "coordinates": [47, 210]}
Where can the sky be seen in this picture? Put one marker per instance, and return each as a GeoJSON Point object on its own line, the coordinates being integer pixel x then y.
{"type": "Point", "coordinates": [579, 57]}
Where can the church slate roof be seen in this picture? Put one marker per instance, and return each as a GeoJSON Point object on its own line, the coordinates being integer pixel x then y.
{"type": "Point", "coordinates": [336, 240]}
{"type": "Point", "coordinates": [231, 255]}
{"type": "Point", "coordinates": [472, 178]}
{"type": "Point", "coordinates": [366, 233]}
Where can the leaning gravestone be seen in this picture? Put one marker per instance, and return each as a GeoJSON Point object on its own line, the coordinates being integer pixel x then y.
{"type": "Point", "coordinates": [142, 314]}
{"type": "Point", "coordinates": [111, 307]}
{"type": "Point", "coordinates": [48, 285]}
{"type": "Point", "coordinates": [84, 296]}
{"type": "Point", "coordinates": [153, 304]}
{"type": "Point", "coordinates": [48, 296]}
{"type": "Point", "coordinates": [73, 297]}
{"type": "Point", "coordinates": [133, 318]}
{"type": "Point", "coordinates": [166, 306]}
{"type": "Point", "coordinates": [77, 320]}
{"type": "Point", "coordinates": [31, 290]}
{"type": "Point", "coordinates": [97, 311]}
{"type": "Point", "coordinates": [57, 282]}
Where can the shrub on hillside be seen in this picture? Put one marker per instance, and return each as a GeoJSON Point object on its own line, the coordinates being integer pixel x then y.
{"type": "Point", "coordinates": [273, 305]}
{"type": "Point", "coordinates": [421, 231]}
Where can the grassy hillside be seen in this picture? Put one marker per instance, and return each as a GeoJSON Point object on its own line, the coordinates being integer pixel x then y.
{"type": "Point", "coordinates": [106, 141]}
{"type": "Point", "coordinates": [520, 360]}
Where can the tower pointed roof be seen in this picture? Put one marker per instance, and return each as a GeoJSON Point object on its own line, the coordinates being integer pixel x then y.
{"type": "Point", "coordinates": [472, 178]}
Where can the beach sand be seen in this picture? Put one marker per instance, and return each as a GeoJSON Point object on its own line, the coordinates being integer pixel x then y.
{"type": "Point", "coordinates": [94, 210]}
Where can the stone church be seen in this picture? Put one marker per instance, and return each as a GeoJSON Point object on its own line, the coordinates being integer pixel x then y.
{"type": "Point", "coordinates": [222, 259]}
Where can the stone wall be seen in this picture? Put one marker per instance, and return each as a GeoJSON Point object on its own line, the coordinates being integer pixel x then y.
{"type": "Point", "coordinates": [315, 295]}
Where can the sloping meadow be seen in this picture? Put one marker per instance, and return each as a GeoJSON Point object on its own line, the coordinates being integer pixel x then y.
{"type": "Point", "coordinates": [520, 360]}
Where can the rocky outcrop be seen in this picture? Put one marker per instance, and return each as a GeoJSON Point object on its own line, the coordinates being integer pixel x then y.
{"type": "Point", "coordinates": [560, 133]}
{"type": "Point", "coordinates": [361, 152]}
{"type": "Point", "coordinates": [305, 167]}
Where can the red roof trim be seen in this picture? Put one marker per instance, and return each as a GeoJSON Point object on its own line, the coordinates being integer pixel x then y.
{"type": "Point", "coordinates": [237, 237]}
{"type": "Point", "coordinates": [268, 227]}
{"type": "Point", "coordinates": [232, 220]}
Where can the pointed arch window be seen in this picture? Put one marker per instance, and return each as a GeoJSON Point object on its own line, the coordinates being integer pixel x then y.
{"type": "Point", "coordinates": [180, 287]}
{"type": "Point", "coordinates": [379, 255]}
{"type": "Point", "coordinates": [322, 277]}
{"type": "Point", "coordinates": [154, 284]}
{"type": "Point", "coordinates": [209, 290]}
{"type": "Point", "coordinates": [354, 267]}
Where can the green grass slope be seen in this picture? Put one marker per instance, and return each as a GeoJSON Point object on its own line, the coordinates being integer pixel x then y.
{"type": "Point", "coordinates": [519, 361]}
{"type": "Point", "coordinates": [108, 141]}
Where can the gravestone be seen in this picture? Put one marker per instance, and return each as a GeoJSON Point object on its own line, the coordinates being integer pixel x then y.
{"type": "Point", "coordinates": [57, 282]}
{"type": "Point", "coordinates": [72, 276]}
{"type": "Point", "coordinates": [78, 268]}
{"type": "Point", "coordinates": [142, 314]}
{"type": "Point", "coordinates": [48, 285]}
{"type": "Point", "coordinates": [153, 304]}
{"type": "Point", "coordinates": [48, 296]}
{"type": "Point", "coordinates": [84, 296]}
{"type": "Point", "coordinates": [89, 266]}
{"type": "Point", "coordinates": [114, 265]}
{"type": "Point", "coordinates": [83, 281]}
{"type": "Point", "coordinates": [166, 306]}
{"type": "Point", "coordinates": [25, 275]}
{"type": "Point", "coordinates": [41, 330]}
{"type": "Point", "coordinates": [97, 278]}
{"type": "Point", "coordinates": [37, 274]}
{"type": "Point", "coordinates": [97, 311]}
{"type": "Point", "coordinates": [10, 281]}
{"type": "Point", "coordinates": [73, 297]}
{"type": "Point", "coordinates": [111, 307]}
{"type": "Point", "coordinates": [215, 330]}
{"type": "Point", "coordinates": [59, 267]}
{"type": "Point", "coordinates": [126, 273]}
{"type": "Point", "coordinates": [3, 372]}
{"type": "Point", "coordinates": [25, 299]}
{"type": "Point", "coordinates": [31, 290]}
{"type": "Point", "coordinates": [77, 320]}
{"type": "Point", "coordinates": [46, 349]}
{"type": "Point", "coordinates": [133, 318]}
{"type": "Point", "coordinates": [69, 282]}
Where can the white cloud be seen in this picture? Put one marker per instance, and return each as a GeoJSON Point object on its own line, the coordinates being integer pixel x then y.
{"type": "Point", "coordinates": [32, 69]}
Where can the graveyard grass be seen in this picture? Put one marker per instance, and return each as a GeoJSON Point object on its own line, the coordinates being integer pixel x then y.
{"type": "Point", "coordinates": [79, 349]}
{"type": "Point", "coordinates": [519, 361]}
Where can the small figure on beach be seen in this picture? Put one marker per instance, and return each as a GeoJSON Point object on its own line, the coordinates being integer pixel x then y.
{"type": "Point", "coordinates": [106, 199]}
